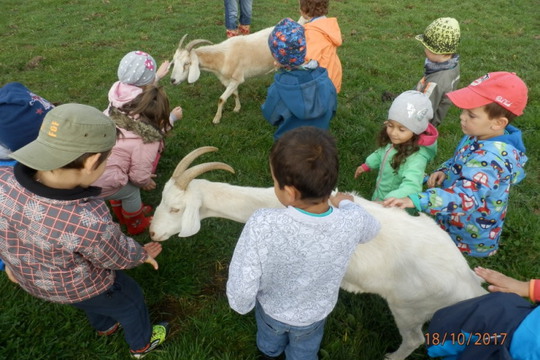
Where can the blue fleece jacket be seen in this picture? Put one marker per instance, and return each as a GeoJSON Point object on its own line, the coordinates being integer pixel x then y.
{"type": "Point", "coordinates": [472, 201]}
{"type": "Point", "coordinates": [300, 97]}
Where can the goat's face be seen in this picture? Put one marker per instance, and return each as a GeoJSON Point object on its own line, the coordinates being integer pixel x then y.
{"type": "Point", "coordinates": [181, 64]}
{"type": "Point", "coordinates": [178, 213]}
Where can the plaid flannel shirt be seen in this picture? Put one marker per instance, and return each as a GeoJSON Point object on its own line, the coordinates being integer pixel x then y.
{"type": "Point", "coordinates": [61, 245]}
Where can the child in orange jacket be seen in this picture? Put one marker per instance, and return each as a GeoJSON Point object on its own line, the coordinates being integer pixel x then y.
{"type": "Point", "coordinates": [323, 37]}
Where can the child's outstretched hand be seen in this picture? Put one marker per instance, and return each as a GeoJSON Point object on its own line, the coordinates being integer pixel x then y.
{"type": "Point", "coordinates": [502, 283]}
{"type": "Point", "coordinates": [336, 199]}
{"type": "Point", "coordinates": [436, 179]}
{"type": "Point", "coordinates": [359, 170]}
{"type": "Point", "coordinates": [176, 114]}
{"type": "Point", "coordinates": [153, 249]}
{"type": "Point", "coordinates": [400, 203]}
{"type": "Point", "coordinates": [151, 184]}
{"type": "Point", "coordinates": [163, 70]}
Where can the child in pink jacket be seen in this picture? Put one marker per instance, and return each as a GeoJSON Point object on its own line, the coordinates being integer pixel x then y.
{"type": "Point", "coordinates": [136, 71]}
{"type": "Point", "coordinates": [142, 123]}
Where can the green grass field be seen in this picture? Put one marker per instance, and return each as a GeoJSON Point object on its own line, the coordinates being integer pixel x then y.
{"type": "Point", "coordinates": [68, 51]}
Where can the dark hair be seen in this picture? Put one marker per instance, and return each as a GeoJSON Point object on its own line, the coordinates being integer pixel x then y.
{"type": "Point", "coordinates": [152, 105]}
{"type": "Point", "coordinates": [78, 163]}
{"type": "Point", "coordinates": [403, 150]}
{"type": "Point", "coordinates": [494, 110]}
{"type": "Point", "coordinates": [306, 158]}
{"type": "Point", "coordinates": [314, 8]}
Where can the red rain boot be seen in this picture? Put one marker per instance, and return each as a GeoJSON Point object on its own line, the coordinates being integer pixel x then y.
{"type": "Point", "coordinates": [136, 222]}
{"type": "Point", "coordinates": [116, 206]}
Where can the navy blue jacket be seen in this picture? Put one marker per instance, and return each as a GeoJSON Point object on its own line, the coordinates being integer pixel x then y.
{"type": "Point", "coordinates": [479, 328]}
{"type": "Point", "coordinates": [300, 97]}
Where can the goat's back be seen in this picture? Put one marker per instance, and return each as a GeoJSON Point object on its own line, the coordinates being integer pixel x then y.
{"type": "Point", "coordinates": [241, 57]}
{"type": "Point", "coordinates": [411, 261]}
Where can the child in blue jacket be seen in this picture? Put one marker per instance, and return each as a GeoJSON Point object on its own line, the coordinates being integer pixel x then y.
{"type": "Point", "coordinates": [500, 325]}
{"type": "Point", "coordinates": [302, 94]}
{"type": "Point", "coordinates": [472, 199]}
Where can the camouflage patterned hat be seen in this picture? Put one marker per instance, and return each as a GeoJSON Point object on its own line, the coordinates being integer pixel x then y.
{"type": "Point", "coordinates": [441, 36]}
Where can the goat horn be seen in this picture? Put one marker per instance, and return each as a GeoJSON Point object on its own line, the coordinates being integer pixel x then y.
{"type": "Point", "coordinates": [191, 173]}
{"type": "Point", "coordinates": [192, 43]}
{"type": "Point", "coordinates": [181, 41]}
{"type": "Point", "coordinates": [188, 159]}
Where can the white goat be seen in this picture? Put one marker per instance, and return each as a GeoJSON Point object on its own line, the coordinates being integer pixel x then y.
{"type": "Point", "coordinates": [412, 263]}
{"type": "Point", "coordinates": [232, 61]}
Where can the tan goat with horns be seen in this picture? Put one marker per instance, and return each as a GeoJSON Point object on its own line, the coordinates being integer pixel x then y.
{"type": "Point", "coordinates": [232, 61]}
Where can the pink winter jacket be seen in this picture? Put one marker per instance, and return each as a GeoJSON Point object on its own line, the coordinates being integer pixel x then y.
{"type": "Point", "coordinates": [133, 158]}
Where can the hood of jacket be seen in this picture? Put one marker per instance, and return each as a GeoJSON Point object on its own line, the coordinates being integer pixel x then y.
{"type": "Point", "coordinates": [510, 147]}
{"type": "Point", "coordinates": [328, 27]}
{"type": "Point", "coordinates": [121, 93]}
{"type": "Point", "coordinates": [428, 142]}
{"type": "Point", "coordinates": [511, 136]}
{"type": "Point", "coordinates": [304, 92]}
{"type": "Point", "coordinates": [145, 131]}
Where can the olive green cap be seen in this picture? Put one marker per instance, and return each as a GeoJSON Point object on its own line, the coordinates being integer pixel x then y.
{"type": "Point", "coordinates": [68, 131]}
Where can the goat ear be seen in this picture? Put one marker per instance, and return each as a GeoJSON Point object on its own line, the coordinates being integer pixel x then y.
{"type": "Point", "coordinates": [191, 219]}
{"type": "Point", "coordinates": [194, 71]}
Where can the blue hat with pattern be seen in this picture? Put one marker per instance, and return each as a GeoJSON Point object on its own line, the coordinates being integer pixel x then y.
{"type": "Point", "coordinates": [287, 43]}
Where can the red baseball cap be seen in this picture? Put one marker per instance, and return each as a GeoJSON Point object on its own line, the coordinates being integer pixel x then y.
{"type": "Point", "coordinates": [503, 88]}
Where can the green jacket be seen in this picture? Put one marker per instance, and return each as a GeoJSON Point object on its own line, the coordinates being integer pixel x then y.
{"type": "Point", "coordinates": [410, 175]}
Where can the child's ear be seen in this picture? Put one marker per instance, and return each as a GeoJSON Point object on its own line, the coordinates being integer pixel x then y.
{"type": "Point", "coordinates": [500, 122]}
{"type": "Point", "coordinates": [292, 193]}
{"type": "Point", "coordinates": [90, 162]}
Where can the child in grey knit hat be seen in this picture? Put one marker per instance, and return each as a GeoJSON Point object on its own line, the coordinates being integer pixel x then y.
{"type": "Point", "coordinates": [137, 70]}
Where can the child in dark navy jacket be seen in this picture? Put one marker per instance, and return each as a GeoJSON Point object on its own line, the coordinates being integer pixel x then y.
{"type": "Point", "coordinates": [500, 325]}
{"type": "Point", "coordinates": [302, 94]}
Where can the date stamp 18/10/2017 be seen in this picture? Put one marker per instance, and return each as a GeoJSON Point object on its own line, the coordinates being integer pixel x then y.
{"type": "Point", "coordinates": [465, 339]}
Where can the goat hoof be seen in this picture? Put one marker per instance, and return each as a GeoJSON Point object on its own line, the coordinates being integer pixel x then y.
{"type": "Point", "coordinates": [215, 121]}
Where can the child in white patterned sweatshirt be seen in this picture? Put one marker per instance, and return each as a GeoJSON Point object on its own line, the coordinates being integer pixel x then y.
{"type": "Point", "coordinates": [289, 263]}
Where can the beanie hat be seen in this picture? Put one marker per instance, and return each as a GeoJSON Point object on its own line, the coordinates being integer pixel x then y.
{"type": "Point", "coordinates": [287, 43]}
{"type": "Point", "coordinates": [503, 88]}
{"type": "Point", "coordinates": [441, 36]}
{"type": "Point", "coordinates": [137, 68]}
{"type": "Point", "coordinates": [413, 110]}
{"type": "Point", "coordinates": [68, 131]}
{"type": "Point", "coordinates": [21, 115]}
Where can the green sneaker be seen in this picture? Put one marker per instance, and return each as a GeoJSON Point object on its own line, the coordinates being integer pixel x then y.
{"type": "Point", "coordinates": [159, 333]}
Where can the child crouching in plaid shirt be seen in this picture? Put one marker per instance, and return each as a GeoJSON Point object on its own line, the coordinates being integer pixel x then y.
{"type": "Point", "coordinates": [57, 238]}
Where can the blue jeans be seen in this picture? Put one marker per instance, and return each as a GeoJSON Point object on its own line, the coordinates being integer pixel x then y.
{"type": "Point", "coordinates": [231, 13]}
{"type": "Point", "coordinates": [123, 303]}
{"type": "Point", "coordinates": [298, 342]}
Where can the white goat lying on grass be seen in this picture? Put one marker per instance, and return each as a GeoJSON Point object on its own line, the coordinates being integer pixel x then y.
{"type": "Point", "coordinates": [412, 263]}
{"type": "Point", "coordinates": [232, 61]}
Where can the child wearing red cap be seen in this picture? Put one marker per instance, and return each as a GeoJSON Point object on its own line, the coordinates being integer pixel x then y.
{"type": "Point", "coordinates": [472, 199]}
